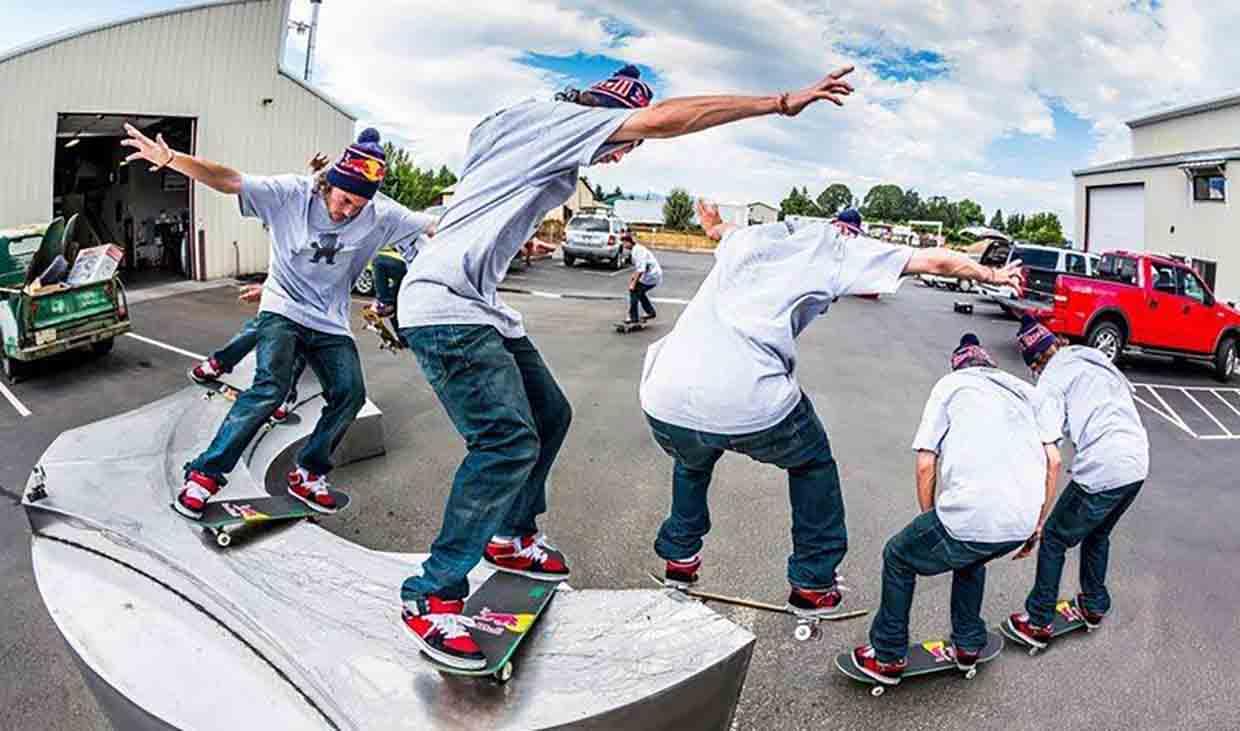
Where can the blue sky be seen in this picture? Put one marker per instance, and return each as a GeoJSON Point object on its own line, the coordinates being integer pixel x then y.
{"type": "Point", "coordinates": [996, 100]}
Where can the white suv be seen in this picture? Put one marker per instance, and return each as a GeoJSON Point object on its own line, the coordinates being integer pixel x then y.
{"type": "Point", "coordinates": [596, 237]}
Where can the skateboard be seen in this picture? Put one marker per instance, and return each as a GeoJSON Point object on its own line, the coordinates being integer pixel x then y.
{"type": "Point", "coordinates": [963, 308]}
{"type": "Point", "coordinates": [806, 629]}
{"type": "Point", "coordinates": [221, 518]}
{"type": "Point", "coordinates": [1067, 619]}
{"type": "Point", "coordinates": [376, 324]}
{"type": "Point", "coordinates": [500, 614]}
{"type": "Point", "coordinates": [924, 658]}
{"type": "Point", "coordinates": [628, 327]}
{"type": "Point", "coordinates": [222, 390]}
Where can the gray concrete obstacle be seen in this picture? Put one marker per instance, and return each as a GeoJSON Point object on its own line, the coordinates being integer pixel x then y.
{"type": "Point", "coordinates": [298, 628]}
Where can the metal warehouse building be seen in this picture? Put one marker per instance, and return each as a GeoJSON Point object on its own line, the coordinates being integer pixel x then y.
{"type": "Point", "coordinates": [1173, 196]}
{"type": "Point", "coordinates": [208, 78]}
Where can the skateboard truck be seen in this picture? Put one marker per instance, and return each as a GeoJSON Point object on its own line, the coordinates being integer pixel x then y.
{"type": "Point", "coordinates": [36, 484]}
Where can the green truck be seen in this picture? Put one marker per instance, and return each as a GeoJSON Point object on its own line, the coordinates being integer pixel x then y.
{"type": "Point", "coordinates": [39, 321]}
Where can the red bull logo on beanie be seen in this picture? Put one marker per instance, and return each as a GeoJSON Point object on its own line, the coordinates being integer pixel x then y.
{"type": "Point", "coordinates": [364, 167]}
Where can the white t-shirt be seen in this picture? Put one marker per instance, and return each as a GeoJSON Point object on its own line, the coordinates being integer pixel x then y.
{"type": "Point", "coordinates": [729, 364]}
{"type": "Point", "coordinates": [1083, 393]}
{"type": "Point", "coordinates": [651, 274]}
{"type": "Point", "coordinates": [982, 424]}
{"type": "Point", "coordinates": [314, 260]}
{"type": "Point", "coordinates": [521, 163]}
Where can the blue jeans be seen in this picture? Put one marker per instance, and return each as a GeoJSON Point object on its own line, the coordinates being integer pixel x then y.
{"type": "Point", "coordinates": [637, 296]}
{"type": "Point", "coordinates": [388, 274]}
{"type": "Point", "coordinates": [240, 346]}
{"type": "Point", "coordinates": [797, 444]}
{"type": "Point", "coordinates": [924, 548]}
{"type": "Point", "coordinates": [1087, 519]}
{"type": "Point", "coordinates": [513, 416]}
{"type": "Point", "coordinates": [334, 360]}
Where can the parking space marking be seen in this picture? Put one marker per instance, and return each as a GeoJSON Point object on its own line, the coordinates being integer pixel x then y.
{"type": "Point", "coordinates": [166, 346]}
{"type": "Point", "coordinates": [12, 399]}
{"type": "Point", "coordinates": [1204, 404]}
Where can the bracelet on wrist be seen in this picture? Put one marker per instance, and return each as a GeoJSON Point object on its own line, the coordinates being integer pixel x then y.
{"type": "Point", "coordinates": [783, 104]}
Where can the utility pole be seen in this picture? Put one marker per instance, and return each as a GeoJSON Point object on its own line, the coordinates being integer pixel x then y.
{"type": "Point", "coordinates": [314, 31]}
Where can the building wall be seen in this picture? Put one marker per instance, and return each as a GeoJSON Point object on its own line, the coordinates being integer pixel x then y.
{"type": "Point", "coordinates": [1205, 229]}
{"type": "Point", "coordinates": [762, 213]}
{"type": "Point", "coordinates": [1203, 131]}
{"type": "Point", "coordinates": [216, 64]}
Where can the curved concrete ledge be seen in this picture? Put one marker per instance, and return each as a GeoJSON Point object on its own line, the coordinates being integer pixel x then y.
{"type": "Point", "coordinates": [298, 628]}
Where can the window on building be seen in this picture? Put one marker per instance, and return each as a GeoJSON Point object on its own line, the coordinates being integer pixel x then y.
{"type": "Point", "coordinates": [1209, 187]}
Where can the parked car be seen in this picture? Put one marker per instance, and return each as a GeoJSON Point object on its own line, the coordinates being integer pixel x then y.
{"type": "Point", "coordinates": [36, 322]}
{"type": "Point", "coordinates": [994, 255]}
{"type": "Point", "coordinates": [1041, 265]}
{"type": "Point", "coordinates": [596, 237]}
{"type": "Point", "coordinates": [1143, 303]}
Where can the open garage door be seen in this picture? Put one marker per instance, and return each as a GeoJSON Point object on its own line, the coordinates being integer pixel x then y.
{"type": "Point", "coordinates": [1116, 218]}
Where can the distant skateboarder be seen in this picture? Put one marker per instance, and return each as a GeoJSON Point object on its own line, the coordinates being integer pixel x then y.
{"type": "Point", "coordinates": [521, 163]}
{"type": "Point", "coordinates": [986, 472]}
{"type": "Point", "coordinates": [647, 274]}
{"type": "Point", "coordinates": [324, 229]}
{"type": "Point", "coordinates": [1081, 392]}
{"type": "Point", "coordinates": [768, 284]}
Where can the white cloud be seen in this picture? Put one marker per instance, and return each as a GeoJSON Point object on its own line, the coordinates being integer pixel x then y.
{"type": "Point", "coordinates": [427, 72]}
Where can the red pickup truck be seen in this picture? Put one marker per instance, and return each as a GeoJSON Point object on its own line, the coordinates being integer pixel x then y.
{"type": "Point", "coordinates": [1144, 303]}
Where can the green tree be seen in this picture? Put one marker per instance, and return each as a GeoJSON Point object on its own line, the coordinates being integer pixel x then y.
{"type": "Point", "coordinates": [938, 208]}
{"type": "Point", "coordinates": [1014, 225]}
{"type": "Point", "coordinates": [798, 203]}
{"type": "Point", "coordinates": [969, 213]}
{"type": "Point", "coordinates": [678, 210]}
{"type": "Point", "coordinates": [410, 185]}
{"type": "Point", "coordinates": [1045, 229]}
{"type": "Point", "coordinates": [884, 202]}
{"type": "Point", "coordinates": [911, 209]}
{"type": "Point", "coordinates": [834, 199]}
{"type": "Point", "coordinates": [996, 221]}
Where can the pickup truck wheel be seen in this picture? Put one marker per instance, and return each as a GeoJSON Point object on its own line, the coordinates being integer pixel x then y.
{"type": "Point", "coordinates": [102, 347]}
{"type": "Point", "coordinates": [13, 369]}
{"type": "Point", "coordinates": [569, 259]}
{"type": "Point", "coordinates": [1226, 361]}
{"type": "Point", "coordinates": [1109, 338]}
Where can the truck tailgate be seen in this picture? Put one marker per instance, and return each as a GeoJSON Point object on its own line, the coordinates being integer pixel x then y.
{"type": "Point", "coordinates": [66, 307]}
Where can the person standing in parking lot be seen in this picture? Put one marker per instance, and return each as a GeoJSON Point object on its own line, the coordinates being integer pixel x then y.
{"type": "Point", "coordinates": [768, 284]}
{"type": "Point", "coordinates": [647, 274]}
{"type": "Point", "coordinates": [1082, 392]}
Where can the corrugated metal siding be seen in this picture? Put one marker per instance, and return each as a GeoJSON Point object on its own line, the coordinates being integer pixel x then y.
{"type": "Point", "coordinates": [216, 64]}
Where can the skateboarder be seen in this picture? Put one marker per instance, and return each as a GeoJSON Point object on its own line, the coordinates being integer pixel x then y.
{"type": "Point", "coordinates": [647, 274]}
{"type": "Point", "coordinates": [985, 468]}
{"type": "Point", "coordinates": [768, 283]}
{"type": "Point", "coordinates": [323, 231]}
{"type": "Point", "coordinates": [1081, 391]}
{"type": "Point", "coordinates": [521, 163]}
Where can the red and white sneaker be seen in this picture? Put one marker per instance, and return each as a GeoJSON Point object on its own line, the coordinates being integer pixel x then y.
{"type": "Point", "coordinates": [1035, 635]}
{"type": "Point", "coordinates": [207, 371]}
{"type": "Point", "coordinates": [194, 495]}
{"type": "Point", "coordinates": [814, 602]}
{"type": "Point", "coordinates": [1092, 619]}
{"type": "Point", "coordinates": [886, 673]}
{"type": "Point", "coordinates": [965, 660]}
{"type": "Point", "coordinates": [442, 632]}
{"type": "Point", "coordinates": [683, 573]}
{"type": "Point", "coordinates": [311, 489]}
{"type": "Point", "coordinates": [530, 556]}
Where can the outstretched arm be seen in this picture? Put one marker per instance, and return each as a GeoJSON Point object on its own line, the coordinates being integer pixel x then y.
{"type": "Point", "coordinates": [712, 222]}
{"type": "Point", "coordinates": [948, 263]}
{"type": "Point", "coordinates": [213, 175]}
{"type": "Point", "coordinates": [688, 114]}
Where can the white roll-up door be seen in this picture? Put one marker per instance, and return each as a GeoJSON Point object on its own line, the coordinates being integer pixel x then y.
{"type": "Point", "coordinates": [1116, 218]}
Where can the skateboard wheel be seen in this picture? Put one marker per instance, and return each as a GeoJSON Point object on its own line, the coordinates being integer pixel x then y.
{"type": "Point", "coordinates": [504, 674]}
{"type": "Point", "coordinates": [1033, 651]}
{"type": "Point", "coordinates": [222, 539]}
{"type": "Point", "coordinates": [877, 690]}
{"type": "Point", "coordinates": [970, 673]}
{"type": "Point", "coordinates": [803, 632]}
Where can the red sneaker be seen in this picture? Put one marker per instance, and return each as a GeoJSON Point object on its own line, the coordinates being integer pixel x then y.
{"type": "Point", "coordinates": [1035, 635]}
{"type": "Point", "coordinates": [811, 602]}
{"type": "Point", "coordinates": [442, 632]}
{"type": "Point", "coordinates": [886, 673]}
{"type": "Point", "coordinates": [207, 371]}
{"type": "Point", "coordinates": [1092, 619]}
{"type": "Point", "coordinates": [965, 660]}
{"type": "Point", "coordinates": [311, 489]}
{"type": "Point", "coordinates": [194, 495]}
{"type": "Point", "coordinates": [530, 556]}
{"type": "Point", "coordinates": [683, 573]}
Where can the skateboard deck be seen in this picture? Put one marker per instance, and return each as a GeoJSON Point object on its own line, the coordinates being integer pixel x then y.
{"type": "Point", "coordinates": [628, 327]}
{"type": "Point", "coordinates": [219, 389]}
{"type": "Point", "coordinates": [220, 518]}
{"type": "Point", "coordinates": [377, 325]}
{"type": "Point", "coordinates": [807, 627]}
{"type": "Point", "coordinates": [501, 613]}
{"type": "Point", "coordinates": [1067, 619]}
{"type": "Point", "coordinates": [924, 658]}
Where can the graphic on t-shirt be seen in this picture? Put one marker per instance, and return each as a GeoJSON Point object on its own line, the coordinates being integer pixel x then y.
{"type": "Point", "coordinates": [325, 248]}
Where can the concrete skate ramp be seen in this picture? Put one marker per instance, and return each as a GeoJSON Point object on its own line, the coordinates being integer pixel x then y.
{"type": "Point", "coordinates": [297, 628]}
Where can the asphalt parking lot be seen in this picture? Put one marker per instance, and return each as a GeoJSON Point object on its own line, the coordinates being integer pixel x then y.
{"type": "Point", "coordinates": [868, 366]}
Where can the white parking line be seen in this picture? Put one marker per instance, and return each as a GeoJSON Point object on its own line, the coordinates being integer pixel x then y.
{"type": "Point", "coordinates": [166, 346]}
{"type": "Point", "coordinates": [1166, 411]}
{"type": "Point", "coordinates": [12, 399]}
